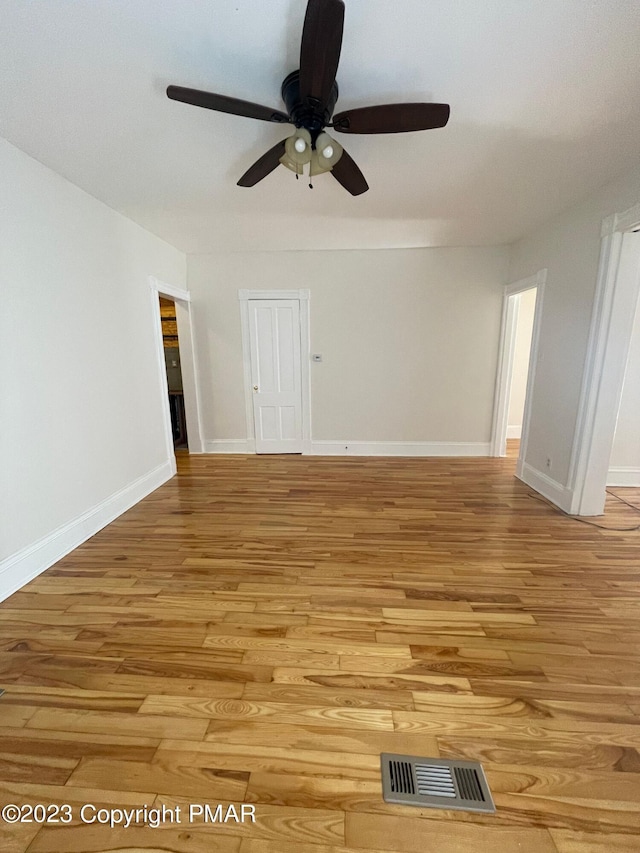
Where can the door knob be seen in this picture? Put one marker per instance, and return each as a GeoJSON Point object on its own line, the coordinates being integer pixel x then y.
{"type": "Point", "coordinates": [255, 387]}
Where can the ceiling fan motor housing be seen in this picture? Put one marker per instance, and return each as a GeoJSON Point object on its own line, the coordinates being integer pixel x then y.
{"type": "Point", "coordinates": [307, 113]}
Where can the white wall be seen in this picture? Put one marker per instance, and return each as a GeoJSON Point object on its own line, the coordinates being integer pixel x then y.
{"type": "Point", "coordinates": [81, 405]}
{"type": "Point", "coordinates": [624, 467]}
{"type": "Point", "coordinates": [522, 350]}
{"type": "Point", "coordinates": [569, 247]}
{"type": "Point", "coordinates": [409, 340]}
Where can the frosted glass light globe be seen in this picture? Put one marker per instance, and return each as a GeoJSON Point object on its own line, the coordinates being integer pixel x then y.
{"type": "Point", "coordinates": [327, 152]}
{"type": "Point", "coordinates": [300, 145]}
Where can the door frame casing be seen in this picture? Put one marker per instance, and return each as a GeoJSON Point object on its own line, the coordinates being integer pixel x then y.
{"type": "Point", "coordinates": [605, 365]}
{"type": "Point", "coordinates": [303, 296]}
{"type": "Point", "coordinates": [186, 343]}
{"type": "Point", "coordinates": [506, 353]}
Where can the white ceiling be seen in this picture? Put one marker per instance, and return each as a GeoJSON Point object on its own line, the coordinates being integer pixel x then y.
{"type": "Point", "coordinates": [544, 94]}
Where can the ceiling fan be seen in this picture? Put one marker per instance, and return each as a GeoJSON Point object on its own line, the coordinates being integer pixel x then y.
{"type": "Point", "coordinates": [310, 95]}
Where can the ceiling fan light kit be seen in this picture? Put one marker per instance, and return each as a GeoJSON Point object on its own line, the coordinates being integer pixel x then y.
{"type": "Point", "coordinates": [310, 95]}
{"type": "Point", "coordinates": [300, 150]}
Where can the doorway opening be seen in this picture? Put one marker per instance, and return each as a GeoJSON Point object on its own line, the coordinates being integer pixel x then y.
{"type": "Point", "coordinates": [182, 426]}
{"type": "Point", "coordinates": [524, 310]}
{"type": "Point", "coordinates": [521, 310]}
{"type": "Point", "coordinates": [175, 387]}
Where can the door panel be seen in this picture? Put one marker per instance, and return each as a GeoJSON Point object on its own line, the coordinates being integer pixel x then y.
{"type": "Point", "coordinates": [288, 425]}
{"type": "Point", "coordinates": [264, 375]}
{"type": "Point", "coordinates": [276, 374]}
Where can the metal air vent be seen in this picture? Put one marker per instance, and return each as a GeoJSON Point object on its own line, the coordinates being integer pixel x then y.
{"type": "Point", "coordinates": [435, 783]}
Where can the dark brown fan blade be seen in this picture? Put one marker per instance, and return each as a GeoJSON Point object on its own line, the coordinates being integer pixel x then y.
{"type": "Point", "coordinates": [223, 104]}
{"type": "Point", "coordinates": [261, 168]}
{"type": "Point", "coordinates": [347, 173]}
{"type": "Point", "coordinates": [392, 118]}
{"type": "Point", "coordinates": [320, 49]}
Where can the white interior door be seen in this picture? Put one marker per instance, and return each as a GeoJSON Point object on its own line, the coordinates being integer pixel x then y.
{"type": "Point", "coordinates": [274, 332]}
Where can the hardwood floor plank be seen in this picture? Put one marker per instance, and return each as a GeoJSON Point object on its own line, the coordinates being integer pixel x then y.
{"type": "Point", "coordinates": [295, 791]}
{"type": "Point", "coordinates": [569, 731]}
{"type": "Point", "coordinates": [601, 817]}
{"type": "Point", "coordinates": [17, 715]}
{"type": "Point", "coordinates": [241, 629]}
{"type": "Point", "coordinates": [567, 841]}
{"type": "Point", "coordinates": [414, 679]}
{"type": "Point", "coordinates": [149, 635]}
{"type": "Point", "coordinates": [75, 745]}
{"type": "Point", "coordinates": [561, 691]}
{"type": "Point", "coordinates": [56, 618]}
{"type": "Point", "coordinates": [409, 835]}
{"type": "Point", "coordinates": [324, 646]}
{"type": "Point", "coordinates": [169, 773]}
{"type": "Point", "coordinates": [446, 651]}
{"type": "Point", "coordinates": [16, 837]}
{"type": "Point", "coordinates": [204, 668]}
{"type": "Point", "coordinates": [452, 704]}
{"type": "Point", "coordinates": [47, 645]}
{"type": "Point", "coordinates": [558, 753]}
{"type": "Point", "coordinates": [272, 590]}
{"type": "Point", "coordinates": [140, 724]}
{"type": "Point", "coordinates": [316, 738]}
{"type": "Point", "coordinates": [515, 706]}
{"type": "Point", "coordinates": [177, 655]}
{"type": "Point", "coordinates": [274, 758]}
{"type": "Point", "coordinates": [76, 797]}
{"type": "Point", "coordinates": [434, 618]}
{"type": "Point", "coordinates": [339, 697]}
{"type": "Point", "coordinates": [276, 824]}
{"type": "Point", "coordinates": [9, 632]}
{"type": "Point", "coordinates": [15, 664]}
{"type": "Point", "coordinates": [274, 658]}
{"type": "Point", "coordinates": [104, 839]}
{"type": "Point", "coordinates": [140, 685]}
{"type": "Point", "coordinates": [350, 633]}
{"type": "Point", "coordinates": [340, 621]}
{"type": "Point", "coordinates": [282, 713]}
{"type": "Point", "coordinates": [260, 620]}
{"type": "Point", "coordinates": [566, 783]}
{"type": "Point", "coordinates": [25, 767]}
{"type": "Point", "coordinates": [250, 845]}
{"type": "Point", "coordinates": [61, 697]}
{"type": "Point", "coordinates": [456, 668]}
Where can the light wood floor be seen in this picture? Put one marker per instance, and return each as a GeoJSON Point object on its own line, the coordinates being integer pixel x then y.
{"type": "Point", "coordinates": [259, 629]}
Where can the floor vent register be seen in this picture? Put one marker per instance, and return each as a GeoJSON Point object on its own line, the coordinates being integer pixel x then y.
{"type": "Point", "coordinates": [435, 783]}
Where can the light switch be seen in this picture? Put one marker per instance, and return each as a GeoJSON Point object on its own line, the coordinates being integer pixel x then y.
{"type": "Point", "coordinates": [317, 356]}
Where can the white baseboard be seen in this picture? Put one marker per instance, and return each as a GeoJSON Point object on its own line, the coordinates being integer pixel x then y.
{"type": "Point", "coordinates": [362, 448]}
{"type": "Point", "coordinates": [400, 448]}
{"type": "Point", "coordinates": [623, 477]}
{"type": "Point", "coordinates": [230, 445]}
{"type": "Point", "coordinates": [558, 494]}
{"type": "Point", "coordinates": [514, 431]}
{"type": "Point", "coordinates": [29, 562]}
